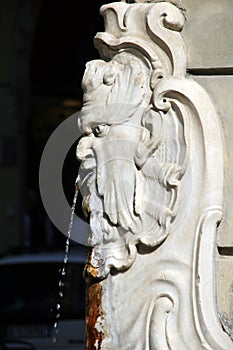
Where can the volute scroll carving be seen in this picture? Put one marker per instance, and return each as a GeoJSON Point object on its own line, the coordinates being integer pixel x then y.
{"type": "Point", "coordinates": [125, 81]}
{"type": "Point", "coordinates": [151, 190]}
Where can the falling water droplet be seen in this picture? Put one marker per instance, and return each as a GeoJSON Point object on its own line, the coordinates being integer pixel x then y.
{"type": "Point", "coordinates": [62, 271]}
{"type": "Point", "coordinates": [61, 284]}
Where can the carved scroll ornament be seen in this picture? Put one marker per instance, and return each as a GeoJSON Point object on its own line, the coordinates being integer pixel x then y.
{"type": "Point", "coordinates": [152, 177]}
{"type": "Point", "coordinates": [132, 158]}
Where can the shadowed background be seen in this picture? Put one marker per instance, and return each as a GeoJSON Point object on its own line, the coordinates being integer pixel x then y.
{"type": "Point", "coordinates": [44, 48]}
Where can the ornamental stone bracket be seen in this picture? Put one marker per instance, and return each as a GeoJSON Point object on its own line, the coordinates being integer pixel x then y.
{"type": "Point", "coordinates": [151, 178]}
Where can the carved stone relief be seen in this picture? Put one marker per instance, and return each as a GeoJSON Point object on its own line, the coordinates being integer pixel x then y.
{"type": "Point", "coordinates": [151, 178]}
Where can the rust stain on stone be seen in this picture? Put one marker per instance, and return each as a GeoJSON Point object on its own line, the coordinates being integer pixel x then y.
{"type": "Point", "coordinates": [86, 207]}
{"type": "Point", "coordinates": [93, 337]}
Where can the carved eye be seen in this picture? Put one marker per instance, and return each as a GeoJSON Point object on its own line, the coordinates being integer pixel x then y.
{"type": "Point", "coordinates": [100, 130]}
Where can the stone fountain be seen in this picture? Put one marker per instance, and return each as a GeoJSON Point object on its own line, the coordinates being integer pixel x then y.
{"type": "Point", "coordinates": [151, 178]}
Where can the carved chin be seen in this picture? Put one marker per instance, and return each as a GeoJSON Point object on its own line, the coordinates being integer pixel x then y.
{"type": "Point", "coordinates": [102, 229]}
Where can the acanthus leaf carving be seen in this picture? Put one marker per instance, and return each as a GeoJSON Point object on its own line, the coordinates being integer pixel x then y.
{"type": "Point", "coordinates": [125, 85]}
{"type": "Point", "coordinates": [138, 207]}
{"type": "Point", "coordinates": [148, 175]}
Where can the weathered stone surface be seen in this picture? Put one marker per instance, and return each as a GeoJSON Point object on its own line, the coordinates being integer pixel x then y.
{"type": "Point", "coordinates": [208, 33]}
{"type": "Point", "coordinates": [225, 291]}
{"type": "Point", "coordinates": [219, 88]}
{"type": "Point", "coordinates": [150, 186]}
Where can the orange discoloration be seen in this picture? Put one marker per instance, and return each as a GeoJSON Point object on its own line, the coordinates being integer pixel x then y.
{"type": "Point", "coordinates": [85, 205]}
{"type": "Point", "coordinates": [93, 308]}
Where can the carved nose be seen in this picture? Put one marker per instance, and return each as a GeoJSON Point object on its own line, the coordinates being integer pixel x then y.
{"type": "Point", "coordinates": [84, 148]}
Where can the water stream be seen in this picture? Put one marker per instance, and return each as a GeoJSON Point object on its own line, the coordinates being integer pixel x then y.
{"type": "Point", "coordinates": [61, 283]}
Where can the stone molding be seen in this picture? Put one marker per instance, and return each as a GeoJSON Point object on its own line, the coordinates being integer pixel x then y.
{"type": "Point", "coordinates": [152, 183]}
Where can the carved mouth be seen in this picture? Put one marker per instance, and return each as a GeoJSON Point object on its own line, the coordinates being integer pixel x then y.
{"type": "Point", "coordinates": [88, 162]}
{"type": "Point", "coordinates": [85, 181]}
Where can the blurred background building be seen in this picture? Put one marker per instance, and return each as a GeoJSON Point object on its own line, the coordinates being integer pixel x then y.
{"type": "Point", "coordinates": [44, 45]}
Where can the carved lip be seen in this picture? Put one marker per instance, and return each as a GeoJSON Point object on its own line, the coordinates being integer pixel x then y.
{"type": "Point", "coordinates": [87, 102]}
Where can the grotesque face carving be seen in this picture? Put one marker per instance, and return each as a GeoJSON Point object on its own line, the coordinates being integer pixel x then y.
{"type": "Point", "coordinates": [120, 153]}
